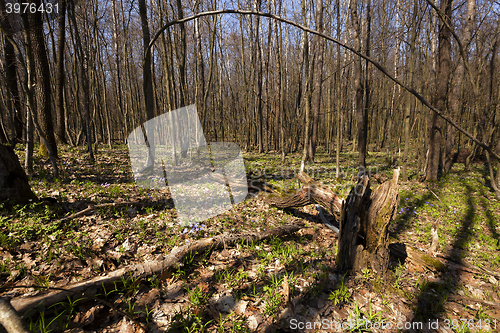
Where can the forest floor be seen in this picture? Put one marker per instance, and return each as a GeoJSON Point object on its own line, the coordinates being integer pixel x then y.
{"type": "Point", "coordinates": [283, 283]}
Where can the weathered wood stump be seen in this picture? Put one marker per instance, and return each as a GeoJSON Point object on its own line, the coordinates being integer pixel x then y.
{"type": "Point", "coordinates": [364, 221]}
{"type": "Point", "coordinates": [13, 181]}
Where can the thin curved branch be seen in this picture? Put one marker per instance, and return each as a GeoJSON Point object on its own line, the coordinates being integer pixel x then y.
{"type": "Point", "coordinates": [300, 26]}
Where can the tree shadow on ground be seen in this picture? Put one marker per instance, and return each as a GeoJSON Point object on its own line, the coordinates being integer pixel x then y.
{"type": "Point", "coordinates": [433, 295]}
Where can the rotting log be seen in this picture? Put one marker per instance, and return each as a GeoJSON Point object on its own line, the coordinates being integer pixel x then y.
{"type": "Point", "coordinates": [364, 221]}
{"type": "Point", "coordinates": [311, 193]}
{"type": "Point", "coordinates": [162, 267]}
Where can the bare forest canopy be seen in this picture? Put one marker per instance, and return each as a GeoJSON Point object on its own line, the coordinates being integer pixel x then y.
{"type": "Point", "coordinates": [259, 81]}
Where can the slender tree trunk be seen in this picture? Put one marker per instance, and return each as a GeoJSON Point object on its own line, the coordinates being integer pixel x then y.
{"type": "Point", "coordinates": [455, 100]}
{"type": "Point", "coordinates": [82, 58]}
{"type": "Point", "coordinates": [404, 174]}
{"type": "Point", "coordinates": [318, 65]}
{"type": "Point", "coordinates": [444, 68]}
{"type": "Point", "coordinates": [12, 80]}
{"type": "Point", "coordinates": [181, 56]}
{"type": "Point", "coordinates": [118, 78]}
{"type": "Point", "coordinates": [30, 140]}
{"type": "Point", "coordinates": [258, 79]}
{"type": "Point", "coordinates": [358, 86]}
{"type": "Point", "coordinates": [61, 42]}
{"type": "Point", "coordinates": [339, 96]}
{"type": "Point", "coordinates": [43, 88]}
{"type": "Point", "coordinates": [307, 92]}
{"type": "Point", "coordinates": [147, 83]}
{"type": "Point", "coordinates": [366, 87]}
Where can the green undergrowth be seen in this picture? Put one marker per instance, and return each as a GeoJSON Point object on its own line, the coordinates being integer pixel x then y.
{"type": "Point", "coordinates": [302, 265]}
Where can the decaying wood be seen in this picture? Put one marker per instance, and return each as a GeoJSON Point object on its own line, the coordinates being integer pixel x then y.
{"type": "Point", "coordinates": [311, 193]}
{"type": "Point", "coordinates": [159, 267]}
{"type": "Point", "coordinates": [377, 207]}
{"type": "Point", "coordinates": [365, 217]}
{"type": "Point", "coordinates": [352, 212]}
{"type": "Point", "coordinates": [9, 318]}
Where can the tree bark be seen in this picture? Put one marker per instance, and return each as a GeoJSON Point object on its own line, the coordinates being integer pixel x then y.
{"type": "Point", "coordinates": [147, 84]}
{"type": "Point", "coordinates": [318, 78]}
{"type": "Point", "coordinates": [365, 217]}
{"type": "Point", "coordinates": [442, 79]}
{"type": "Point", "coordinates": [12, 79]}
{"type": "Point", "coordinates": [181, 56]}
{"type": "Point", "coordinates": [307, 93]}
{"type": "Point", "coordinates": [358, 86]}
{"type": "Point", "coordinates": [457, 85]}
{"type": "Point", "coordinates": [43, 88]}
{"type": "Point", "coordinates": [13, 181]}
{"type": "Point", "coordinates": [258, 79]}
{"type": "Point", "coordinates": [61, 116]}
{"type": "Point", "coordinates": [82, 57]}
{"type": "Point", "coordinates": [404, 174]}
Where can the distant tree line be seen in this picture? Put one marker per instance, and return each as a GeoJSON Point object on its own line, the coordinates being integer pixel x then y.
{"type": "Point", "coordinates": [256, 81]}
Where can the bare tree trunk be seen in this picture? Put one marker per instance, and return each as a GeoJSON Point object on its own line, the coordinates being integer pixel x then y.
{"type": "Point", "coordinates": [43, 88]}
{"type": "Point", "coordinates": [118, 77]}
{"type": "Point", "coordinates": [340, 117]}
{"type": "Point", "coordinates": [61, 42]}
{"type": "Point", "coordinates": [30, 140]}
{"type": "Point", "coordinates": [365, 216]}
{"type": "Point", "coordinates": [29, 83]}
{"type": "Point", "coordinates": [455, 100]}
{"type": "Point", "coordinates": [307, 92]}
{"type": "Point", "coordinates": [444, 62]}
{"type": "Point", "coordinates": [147, 83]}
{"type": "Point", "coordinates": [12, 80]}
{"type": "Point", "coordinates": [404, 174]}
{"type": "Point", "coordinates": [366, 87]}
{"type": "Point", "coordinates": [318, 69]}
{"type": "Point", "coordinates": [181, 56]}
{"type": "Point", "coordinates": [258, 79]}
{"type": "Point", "coordinates": [200, 87]}
{"type": "Point", "coordinates": [82, 57]}
{"type": "Point", "coordinates": [491, 107]}
{"type": "Point", "coordinates": [358, 86]}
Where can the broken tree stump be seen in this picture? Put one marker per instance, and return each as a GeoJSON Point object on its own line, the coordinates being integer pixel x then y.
{"type": "Point", "coordinates": [13, 181]}
{"type": "Point", "coordinates": [311, 193]}
{"type": "Point", "coordinates": [364, 221]}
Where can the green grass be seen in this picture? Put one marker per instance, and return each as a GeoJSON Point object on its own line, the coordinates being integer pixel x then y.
{"type": "Point", "coordinates": [465, 208]}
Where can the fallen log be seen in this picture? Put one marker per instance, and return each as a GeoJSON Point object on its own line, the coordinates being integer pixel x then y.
{"type": "Point", "coordinates": [311, 193]}
{"type": "Point", "coordinates": [159, 267]}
